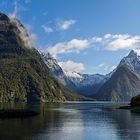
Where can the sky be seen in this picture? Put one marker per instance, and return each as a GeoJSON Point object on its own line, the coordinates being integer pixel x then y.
{"type": "Point", "coordinates": [87, 36]}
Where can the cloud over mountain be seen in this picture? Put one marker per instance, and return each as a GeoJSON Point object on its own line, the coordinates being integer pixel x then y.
{"type": "Point", "coordinates": [72, 46]}
{"type": "Point", "coordinates": [71, 66]}
{"type": "Point", "coordinates": [107, 42]}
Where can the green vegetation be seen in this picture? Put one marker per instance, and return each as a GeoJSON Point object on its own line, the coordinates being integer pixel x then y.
{"type": "Point", "coordinates": [23, 74]}
{"type": "Point", "coordinates": [134, 105]}
{"type": "Point", "coordinates": [135, 101]}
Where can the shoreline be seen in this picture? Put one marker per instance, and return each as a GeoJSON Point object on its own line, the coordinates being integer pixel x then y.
{"type": "Point", "coordinates": [134, 109]}
{"type": "Point", "coordinates": [17, 113]}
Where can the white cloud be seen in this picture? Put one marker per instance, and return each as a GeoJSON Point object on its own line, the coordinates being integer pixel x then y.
{"type": "Point", "coordinates": [104, 68]}
{"type": "Point", "coordinates": [74, 45]}
{"type": "Point", "coordinates": [25, 33]}
{"type": "Point", "coordinates": [47, 29]}
{"type": "Point", "coordinates": [33, 38]}
{"type": "Point", "coordinates": [107, 36]}
{"type": "Point", "coordinates": [117, 42]}
{"type": "Point", "coordinates": [65, 24]}
{"type": "Point", "coordinates": [71, 66]}
{"type": "Point", "coordinates": [28, 38]}
{"type": "Point", "coordinates": [16, 10]}
{"type": "Point", "coordinates": [107, 42]}
{"type": "Point", "coordinates": [123, 42]}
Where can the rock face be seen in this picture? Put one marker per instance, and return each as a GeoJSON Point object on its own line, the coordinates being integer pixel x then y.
{"type": "Point", "coordinates": [124, 82]}
{"type": "Point", "coordinates": [132, 61]}
{"type": "Point", "coordinates": [23, 74]}
{"type": "Point", "coordinates": [122, 85]}
{"type": "Point", "coordinates": [119, 85]}
{"type": "Point", "coordinates": [83, 84]}
{"type": "Point", "coordinates": [55, 69]}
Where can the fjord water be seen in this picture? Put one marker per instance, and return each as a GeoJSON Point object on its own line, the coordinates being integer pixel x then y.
{"type": "Point", "coordinates": [72, 121]}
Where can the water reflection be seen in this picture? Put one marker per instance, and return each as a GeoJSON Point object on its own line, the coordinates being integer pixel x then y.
{"type": "Point", "coordinates": [72, 121]}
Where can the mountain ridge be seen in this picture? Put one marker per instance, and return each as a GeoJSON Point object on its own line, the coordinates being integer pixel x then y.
{"type": "Point", "coordinates": [92, 86]}
{"type": "Point", "coordinates": [122, 86]}
{"type": "Point", "coordinates": [75, 81]}
{"type": "Point", "coordinates": [23, 74]}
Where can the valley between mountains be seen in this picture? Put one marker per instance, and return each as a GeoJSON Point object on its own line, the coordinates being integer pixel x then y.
{"type": "Point", "coordinates": [119, 85]}
{"type": "Point", "coordinates": [29, 75]}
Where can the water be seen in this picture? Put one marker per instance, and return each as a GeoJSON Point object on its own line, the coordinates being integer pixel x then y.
{"type": "Point", "coordinates": [73, 121]}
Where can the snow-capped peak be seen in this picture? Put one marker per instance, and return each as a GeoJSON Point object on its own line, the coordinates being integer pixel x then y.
{"type": "Point", "coordinates": [132, 61]}
{"type": "Point", "coordinates": [73, 74]}
{"type": "Point", "coordinates": [134, 53]}
{"type": "Point", "coordinates": [84, 79]}
{"type": "Point", "coordinates": [52, 64]}
{"type": "Point", "coordinates": [49, 60]}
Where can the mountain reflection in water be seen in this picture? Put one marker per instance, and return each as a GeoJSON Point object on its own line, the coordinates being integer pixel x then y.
{"type": "Point", "coordinates": [72, 121]}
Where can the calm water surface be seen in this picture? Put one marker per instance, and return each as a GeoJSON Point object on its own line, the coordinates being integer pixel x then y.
{"type": "Point", "coordinates": [73, 121]}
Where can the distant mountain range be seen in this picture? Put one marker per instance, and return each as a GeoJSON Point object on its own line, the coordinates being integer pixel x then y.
{"type": "Point", "coordinates": [80, 83]}
{"type": "Point", "coordinates": [119, 85]}
{"type": "Point", "coordinates": [23, 74]}
{"type": "Point", "coordinates": [27, 75]}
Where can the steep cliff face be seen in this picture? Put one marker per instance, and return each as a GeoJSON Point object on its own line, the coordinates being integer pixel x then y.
{"type": "Point", "coordinates": [119, 85]}
{"type": "Point", "coordinates": [132, 62]}
{"type": "Point", "coordinates": [124, 82]}
{"type": "Point", "coordinates": [83, 84]}
{"type": "Point", "coordinates": [122, 85]}
{"type": "Point", "coordinates": [23, 74]}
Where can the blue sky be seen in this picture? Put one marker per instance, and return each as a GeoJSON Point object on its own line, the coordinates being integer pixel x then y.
{"type": "Point", "coordinates": [88, 36]}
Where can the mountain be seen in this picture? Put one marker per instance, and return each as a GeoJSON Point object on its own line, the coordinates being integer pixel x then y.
{"type": "Point", "coordinates": [124, 82]}
{"type": "Point", "coordinates": [23, 74]}
{"type": "Point", "coordinates": [83, 84]}
{"type": "Point", "coordinates": [132, 61]}
{"type": "Point", "coordinates": [122, 85]}
{"type": "Point", "coordinates": [119, 85]}
{"type": "Point", "coordinates": [55, 69]}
